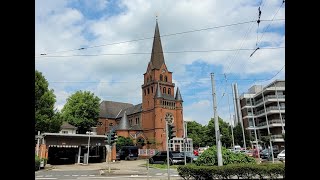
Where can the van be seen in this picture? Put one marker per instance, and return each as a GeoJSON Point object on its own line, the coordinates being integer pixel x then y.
{"type": "Point", "coordinates": [129, 153]}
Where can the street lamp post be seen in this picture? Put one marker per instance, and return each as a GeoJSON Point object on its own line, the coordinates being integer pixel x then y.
{"type": "Point", "coordinates": [89, 133]}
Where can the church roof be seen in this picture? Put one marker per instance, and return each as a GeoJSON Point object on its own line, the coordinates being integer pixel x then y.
{"type": "Point", "coordinates": [157, 58]}
{"type": "Point", "coordinates": [111, 109]}
{"type": "Point", "coordinates": [178, 95]}
{"type": "Point", "coordinates": [124, 122]}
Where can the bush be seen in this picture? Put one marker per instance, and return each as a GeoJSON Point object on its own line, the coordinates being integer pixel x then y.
{"type": "Point", "coordinates": [37, 163]}
{"type": "Point", "coordinates": [243, 171]}
{"type": "Point", "coordinates": [209, 157]}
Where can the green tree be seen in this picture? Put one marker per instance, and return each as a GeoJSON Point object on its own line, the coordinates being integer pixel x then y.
{"type": "Point", "coordinates": [81, 110]}
{"type": "Point", "coordinates": [238, 136]}
{"type": "Point", "coordinates": [225, 132]}
{"type": "Point", "coordinates": [195, 131]}
{"type": "Point", "coordinates": [46, 118]}
{"type": "Point", "coordinates": [123, 141]}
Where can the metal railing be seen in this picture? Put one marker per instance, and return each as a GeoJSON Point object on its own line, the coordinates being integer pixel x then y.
{"type": "Point", "coordinates": [269, 109]}
{"type": "Point", "coordinates": [274, 121]}
{"type": "Point", "coordinates": [268, 97]}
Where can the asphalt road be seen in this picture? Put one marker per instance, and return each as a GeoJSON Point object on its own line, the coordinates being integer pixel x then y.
{"type": "Point", "coordinates": [95, 174]}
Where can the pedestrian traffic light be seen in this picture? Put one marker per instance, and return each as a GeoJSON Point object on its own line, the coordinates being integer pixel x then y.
{"type": "Point", "coordinates": [171, 131]}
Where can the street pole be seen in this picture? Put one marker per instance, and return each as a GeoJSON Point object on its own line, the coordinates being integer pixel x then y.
{"type": "Point", "coordinates": [240, 115]}
{"type": "Point", "coordinates": [230, 118]}
{"type": "Point", "coordinates": [269, 135]}
{"type": "Point", "coordinates": [185, 142]}
{"type": "Point", "coordinates": [235, 105]}
{"type": "Point", "coordinates": [216, 121]}
{"type": "Point", "coordinates": [38, 143]}
{"type": "Point", "coordinates": [167, 141]}
{"type": "Point", "coordinates": [88, 147]}
{"type": "Point", "coordinates": [255, 130]}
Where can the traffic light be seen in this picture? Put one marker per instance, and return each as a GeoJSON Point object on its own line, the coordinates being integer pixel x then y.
{"type": "Point", "coordinates": [113, 137]}
{"type": "Point", "coordinates": [171, 131]}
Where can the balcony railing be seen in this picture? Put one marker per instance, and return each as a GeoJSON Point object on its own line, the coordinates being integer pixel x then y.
{"type": "Point", "coordinates": [274, 121]}
{"type": "Point", "coordinates": [270, 108]}
{"type": "Point", "coordinates": [268, 97]}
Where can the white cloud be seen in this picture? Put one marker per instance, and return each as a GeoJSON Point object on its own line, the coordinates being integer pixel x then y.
{"type": "Point", "coordinates": [59, 27]}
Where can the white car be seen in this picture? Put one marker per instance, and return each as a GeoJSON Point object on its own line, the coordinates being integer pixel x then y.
{"type": "Point", "coordinates": [281, 156]}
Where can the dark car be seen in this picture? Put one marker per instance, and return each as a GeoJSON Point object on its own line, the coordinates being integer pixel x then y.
{"type": "Point", "coordinates": [175, 157]}
{"type": "Point", "coordinates": [129, 153]}
{"type": "Point", "coordinates": [266, 153]}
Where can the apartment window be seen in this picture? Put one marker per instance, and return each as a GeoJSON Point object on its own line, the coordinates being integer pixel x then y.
{"type": "Point", "coordinates": [64, 132]}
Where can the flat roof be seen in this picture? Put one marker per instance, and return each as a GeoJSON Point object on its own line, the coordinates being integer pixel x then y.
{"type": "Point", "coordinates": [73, 135]}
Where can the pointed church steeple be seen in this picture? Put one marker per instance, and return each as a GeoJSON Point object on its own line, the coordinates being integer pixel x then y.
{"type": "Point", "coordinates": [157, 58]}
{"type": "Point", "coordinates": [124, 122]}
{"type": "Point", "coordinates": [158, 92]}
{"type": "Point", "coordinates": [178, 95]}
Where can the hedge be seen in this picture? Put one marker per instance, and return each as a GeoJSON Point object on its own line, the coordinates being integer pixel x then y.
{"type": "Point", "coordinates": [238, 171]}
{"type": "Point", "coordinates": [37, 163]}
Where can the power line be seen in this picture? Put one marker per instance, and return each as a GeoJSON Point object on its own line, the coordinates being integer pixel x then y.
{"type": "Point", "coordinates": [140, 39]}
{"type": "Point", "coordinates": [148, 53]}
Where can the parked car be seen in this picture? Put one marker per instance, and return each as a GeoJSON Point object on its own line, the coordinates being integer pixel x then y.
{"type": "Point", "coordinates": [266, 153]}
{"type": "Point", "coordinates": [175, 157]}
{"type": "Point", "coordinates": [191, 156]}
{"type": "Point", "coordinates": [129, 153]}
{"type": "Point", "coordinates": [281, 156]}
{"type": "Point", "coordinates": [118, 156]}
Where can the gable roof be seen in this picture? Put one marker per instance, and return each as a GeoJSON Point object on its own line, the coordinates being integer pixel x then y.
{"type": "Point", "coordinates": [131, 110]}
{"type": "Point", "coordinates": [66, 125]}
{"type": "Point", "coordinates": [110, 109]}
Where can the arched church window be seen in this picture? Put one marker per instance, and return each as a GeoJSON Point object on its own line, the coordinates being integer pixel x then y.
{"type": "Point", "coordinates": [145, 92]}
{"type": "Point", "coordinates": [148, 91]}
{"type": "Point", "coordinates": [151, 89]}
{"type": "Point", "coordinates": [169, 91]}
{"type": "Point", "coordinates": [165, 78]}
{"type": "Point", "coordinates": [164, 90]}
{"type": "Point", "coordinates": [161, 77]}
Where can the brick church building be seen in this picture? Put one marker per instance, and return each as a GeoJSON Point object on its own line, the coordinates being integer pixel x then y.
{"type": "Point", "coordinates": [145, 122]}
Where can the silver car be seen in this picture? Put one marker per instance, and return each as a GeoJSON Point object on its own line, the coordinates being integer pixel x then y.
{"type": "Point", "coordinates": [281, 156]}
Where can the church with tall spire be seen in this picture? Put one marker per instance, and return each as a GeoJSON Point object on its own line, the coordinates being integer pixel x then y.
{"type": "Point", "coordinates": [145, 123]}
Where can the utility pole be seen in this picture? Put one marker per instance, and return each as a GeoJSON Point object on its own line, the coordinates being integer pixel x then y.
{"type": "Point", "coordinates": [267, 121]}
{"type": "Point", "coordinates": [255, 130]}
{"type": "Point", "coordinates": [216, 121]}
{"type": "Point", "coordinates": [38, 143]}
{"type": "Point", "coordinates": [185, 142]}
{"type": "Point", "coordinates": [239, 114]}
{"type": "Point", "coordinates": [230, 115]}
{"type": "Point", "coordinates": [235, 105]}
{"type": "Point", "coordinates": [167, 142]}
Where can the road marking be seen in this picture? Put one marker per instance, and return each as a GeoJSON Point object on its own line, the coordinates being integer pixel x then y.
{"type": "Point", "coordinates": [46, 178]}
{"type": "Point", "coordinates": [84, 175]}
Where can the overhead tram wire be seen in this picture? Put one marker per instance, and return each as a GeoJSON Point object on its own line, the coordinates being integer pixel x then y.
{"type": "Point", "coordinates": [146, 38]}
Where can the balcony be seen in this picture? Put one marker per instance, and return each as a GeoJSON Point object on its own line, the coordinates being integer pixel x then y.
{"type": "Point", "coordinates": [267, 98]}
{"type": "Point", "coordinates": [268, 109]}
{"type": "Point", "coordinates": [271, 122]}
{"type": "Point", "coordinates": [275, 138]}
{"type": "Point", "coordinates": [263, 125]}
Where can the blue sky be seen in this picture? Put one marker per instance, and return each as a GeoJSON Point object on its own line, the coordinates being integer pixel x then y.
{"type": "Point", "coordinates": [62, 27]}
